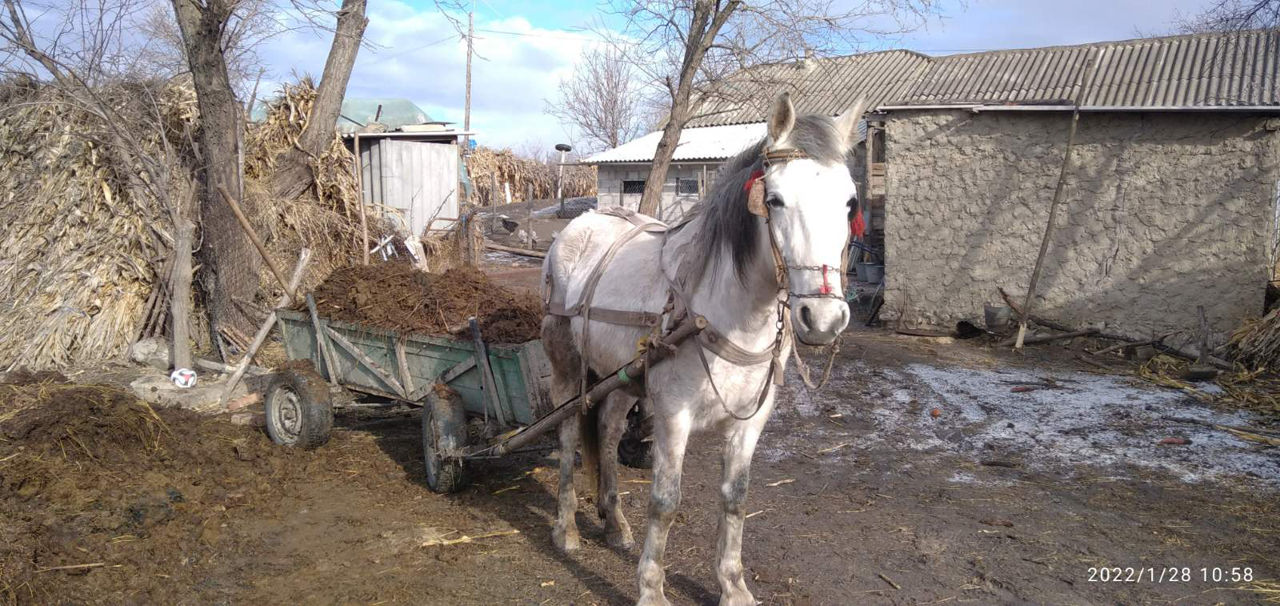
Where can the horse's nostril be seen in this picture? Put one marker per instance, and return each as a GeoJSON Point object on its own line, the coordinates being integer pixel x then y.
{"type": "Point", "coordinates": [806, 319]}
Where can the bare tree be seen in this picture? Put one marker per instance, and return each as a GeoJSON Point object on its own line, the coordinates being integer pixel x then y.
{"type": "Point", "coordinates": [295, 174]}
{"type": "Point", "coordinates": [230, 265]}
{"type": "Point", "coordinates": [1232, 15]}
{"type": "Point", "coordinates": [685, 45]}
{"type": "Point", "coordinates": [600, 100]}
{"type": "Point", "coordinates": [251, 23]}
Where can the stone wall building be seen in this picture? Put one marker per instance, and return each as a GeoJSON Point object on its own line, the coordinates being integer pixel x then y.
{"type": "Point", "coordinates": [1172, 200]}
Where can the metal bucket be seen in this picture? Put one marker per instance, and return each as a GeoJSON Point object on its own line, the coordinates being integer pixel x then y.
{"type": "Point", "coordinates": [870, 272]}
{"type": "Point", "coordinates": [998, 317]}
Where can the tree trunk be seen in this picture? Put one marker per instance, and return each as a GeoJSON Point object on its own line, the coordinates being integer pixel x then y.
{"type": "Point", "coordinates": [229, 269]}
{"type": "Point", "coordinates": [697, 42]}
{"type": "Point", "coordinates": [295, 175]}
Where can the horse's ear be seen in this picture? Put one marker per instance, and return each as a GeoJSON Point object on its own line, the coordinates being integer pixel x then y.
{"type": "Point", "coordinates": [782, 118]}
{"type": "Point", "coordinates": [847, 123]}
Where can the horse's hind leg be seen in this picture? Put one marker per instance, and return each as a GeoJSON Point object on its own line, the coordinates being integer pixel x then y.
{"type": "Point", "coordinates": [612, 422]}
{"type": "Point", "coordinates": [565, 533]}
{"type": "Point", "coordinates": [558, 342]}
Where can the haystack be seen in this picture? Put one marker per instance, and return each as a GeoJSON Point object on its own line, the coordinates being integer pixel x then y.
{"type": "Point", "coordinates": [84, 252]}
{"type": "Point", "coordinates": [78, 254]}
{"type": "Point", "coordinates": [326, 218]}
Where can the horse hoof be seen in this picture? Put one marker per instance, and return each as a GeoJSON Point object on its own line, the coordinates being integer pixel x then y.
{"type": "Point", "coordinates": [658, 600]}
{"type": "Point", "coordinates": [566, 542]}
{"type": "Point", "coordinates": [738, 598]}
{"type": "Point", "coordinates": [621, 540]}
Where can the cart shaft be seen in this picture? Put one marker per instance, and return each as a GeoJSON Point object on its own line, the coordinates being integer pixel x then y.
{"type": "Point", "coordinates": [631, 373]}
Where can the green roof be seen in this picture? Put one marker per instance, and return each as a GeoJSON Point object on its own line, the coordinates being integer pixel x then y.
{"type": "Point", "coordinates": [395, 113]}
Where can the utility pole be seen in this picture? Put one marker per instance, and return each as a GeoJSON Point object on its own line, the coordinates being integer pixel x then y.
{"type": "Point", "coordinates": [466, 116]}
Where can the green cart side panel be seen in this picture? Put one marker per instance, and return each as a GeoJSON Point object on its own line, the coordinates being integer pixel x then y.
{"type": "Point", "coordinates": [521, 372]}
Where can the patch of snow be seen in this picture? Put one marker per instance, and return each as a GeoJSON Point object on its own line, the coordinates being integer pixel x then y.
{"type": "Point", "coordinates": [1101, 421]}
{"type": "Point", "coordinates": [1096, 420]}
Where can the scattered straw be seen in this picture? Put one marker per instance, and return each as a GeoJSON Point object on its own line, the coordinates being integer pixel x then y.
{"type": "Point", "coordinates": [1257, 391]}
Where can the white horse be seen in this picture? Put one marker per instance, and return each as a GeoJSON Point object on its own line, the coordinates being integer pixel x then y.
{"type": "Point", "coordinates": [771, 236]}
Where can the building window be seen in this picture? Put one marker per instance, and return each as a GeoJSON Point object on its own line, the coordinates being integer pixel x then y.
{"type": "Point", "coordinates": [687, 187]}
{"type": "Point", "coordinates": [633, 187]}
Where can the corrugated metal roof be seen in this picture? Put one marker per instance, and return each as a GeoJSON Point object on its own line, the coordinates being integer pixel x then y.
{"type": "Point", "coordinates": [1200, 70]}
{"type": "Point", "coordinates": [819, 86]}
{"type": "Point", "coordinates": [707, 143]}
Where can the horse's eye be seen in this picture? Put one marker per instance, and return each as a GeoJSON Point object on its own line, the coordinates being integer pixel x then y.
{"type": "Point", "coordinates": [774, 201]}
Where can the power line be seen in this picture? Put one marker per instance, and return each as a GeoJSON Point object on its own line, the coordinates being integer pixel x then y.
{"type": "Point", "coordinates": [418, 48]}
{"type": "Point", "coordinates": [532, 35]}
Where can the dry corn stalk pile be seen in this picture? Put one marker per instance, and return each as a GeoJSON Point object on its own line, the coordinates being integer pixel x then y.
{"type": "Point", "coordinates": [488, 167]}
{"type": "Point", "coordinates": [1257, 391]}
{"type": "Point", "coordinates": [81, 251]}
{"type": "Point", "coordinates": [1256, 343]}
{"type": "Point", "coordinates": [78, 255]}
{"type": "Point", "coordinates": [326, 218]}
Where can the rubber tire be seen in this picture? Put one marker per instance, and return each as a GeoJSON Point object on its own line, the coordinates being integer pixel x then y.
{"type": "Point", "coordinates": [443, 421]}
{"type": "Point", "coordinates": [633, 450]}
{"type": "Point", "coordinates": [313, 403]}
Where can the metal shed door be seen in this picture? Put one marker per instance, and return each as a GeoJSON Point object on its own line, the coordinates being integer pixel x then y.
{"type": "Point", "coordinates": [418, 182]}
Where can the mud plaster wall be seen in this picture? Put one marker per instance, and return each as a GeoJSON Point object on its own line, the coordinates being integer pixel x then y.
{"type": "Point", "coordinates": [1161, 213]}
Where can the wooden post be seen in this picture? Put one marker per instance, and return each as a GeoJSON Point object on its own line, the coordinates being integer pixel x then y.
{"type": "Point", "coordinates": [486, 372]}
{"type": "Point", "coordinates": [364, 225]}
{"type": "Point", "coordinates": [257, 242]}
{"type": "Point", "coordinates": [1057, 200]}
{"type": "Point", "coordinates": [322, 342]}
{"type": "Point", "coordinates": [493, 190]}
{"type": "Point", "coordinates": [264, 330]}
{"type": "Point", "coordinates": [180, 301]}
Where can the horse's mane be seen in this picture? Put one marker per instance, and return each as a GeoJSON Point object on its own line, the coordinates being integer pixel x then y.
{"type": "Point", "coordinates": [726, 222]}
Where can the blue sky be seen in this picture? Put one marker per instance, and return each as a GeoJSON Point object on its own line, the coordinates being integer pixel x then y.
{"type": "Point", "coordinates": [526, 47]}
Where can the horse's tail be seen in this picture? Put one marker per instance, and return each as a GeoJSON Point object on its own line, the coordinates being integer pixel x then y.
{"type": "Point", "coordinates": [589, 437]}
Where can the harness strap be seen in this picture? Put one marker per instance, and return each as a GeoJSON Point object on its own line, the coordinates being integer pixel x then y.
{"type": "Point", "coordinates": [642, 224]}
{"type": "Point", "coordinates": [730, 351]}
{"type": "Point", "coordinates": [619, 317]}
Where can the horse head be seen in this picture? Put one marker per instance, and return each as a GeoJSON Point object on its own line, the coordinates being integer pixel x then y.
{"type": "Point", "coordinates": [806, 196]}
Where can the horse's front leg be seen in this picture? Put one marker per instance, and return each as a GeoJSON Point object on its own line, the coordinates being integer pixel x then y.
{"type": "Point", "coordinates": [612, 422]}
{"type": "Point", "coordinates": [671, 437]}
{"type": "Point", "coordinates": [739, 446]}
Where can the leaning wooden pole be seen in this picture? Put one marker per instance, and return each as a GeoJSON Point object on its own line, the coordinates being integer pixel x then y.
{"type": "Point", "coordinates": [1057, 200]}
{"type": "Point", "coordinates": [263, 331]}
{"type": "Point", "coordinates": [257, 241]}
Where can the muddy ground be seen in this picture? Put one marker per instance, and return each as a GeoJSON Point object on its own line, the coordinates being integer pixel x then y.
{"type": "Point", "coordinates": [860, 495]}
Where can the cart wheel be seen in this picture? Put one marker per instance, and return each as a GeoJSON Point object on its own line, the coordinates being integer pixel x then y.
{"type": "Point", "coordinates": [444, 433]}
{"type": "Point", "coordinates": [634, 450]}
{"type": "Point", "coordinates": [299, 410]}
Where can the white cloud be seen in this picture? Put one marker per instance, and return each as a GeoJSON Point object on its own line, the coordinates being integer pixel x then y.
{"type": "Point", "coordinates": [418, 55]}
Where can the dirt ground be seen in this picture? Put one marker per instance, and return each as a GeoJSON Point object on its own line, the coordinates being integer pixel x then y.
{"type": "Point", "coordinates": [860, 495]}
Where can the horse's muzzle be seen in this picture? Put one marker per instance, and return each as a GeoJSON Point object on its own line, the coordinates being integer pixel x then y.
{"type": "Point", "coordinates": [819, 321]}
